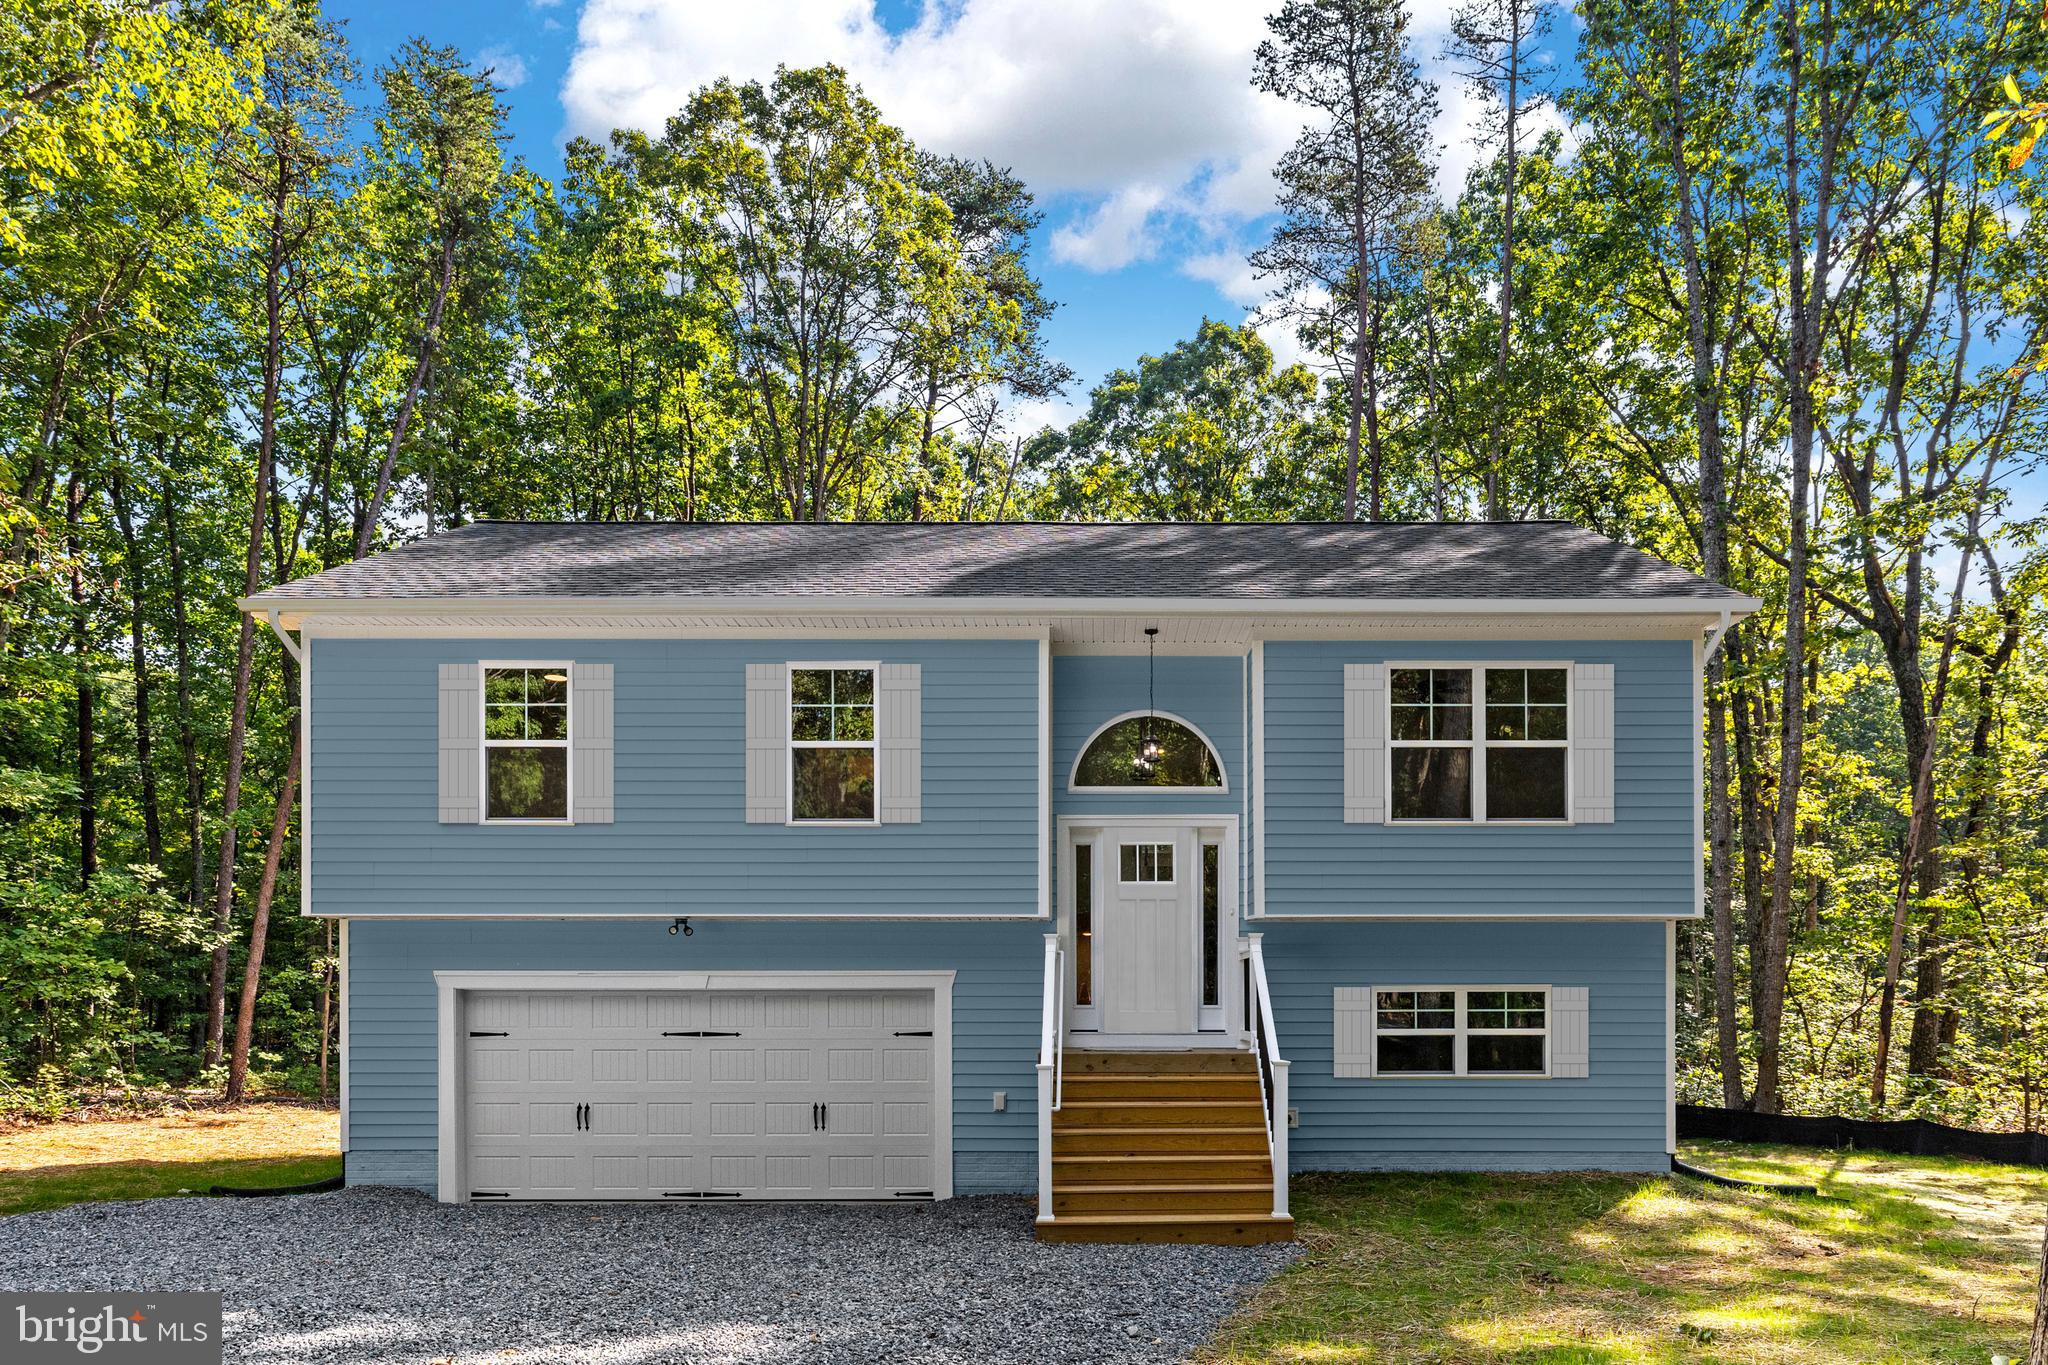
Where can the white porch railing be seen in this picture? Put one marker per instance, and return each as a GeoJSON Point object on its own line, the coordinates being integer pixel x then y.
{"type": "Point", "coordinates": [1052, 1057]}
{"type": "Point", "coordinates": [1258, 1022]}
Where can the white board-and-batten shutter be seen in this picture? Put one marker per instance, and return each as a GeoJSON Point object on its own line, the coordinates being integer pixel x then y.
{"type": "Point", "coordinates": [462, 720]}
{"type": "Point", "coordinates": [767, 743]}
{"type": "Point", "coordinates": [899, 741]}
{"type": "Point", "coordinates": [1351, 1032]}
{"type": "Point", "coordinates": [1365, 744]}
{"type": "Point", "coordinates": [1592, 731]}
{"type": "Point", "coordinates": [1570, 1032]}
{"type": "Point", "coordinates": [590, 743]}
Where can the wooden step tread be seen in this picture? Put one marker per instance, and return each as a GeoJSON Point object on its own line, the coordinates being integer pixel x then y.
{"type": "Point", "coordinates": [1235, 1229]}
{"type": "Point", "coordinates": [1166, 1218]}
{"type": "Point", "coordinates": [1190, 1158]}
{"type": "Point", "coordinates": [1141, 1130]}
{"type": "Point", "coordinates": [1161, 1102]}
{"type": "Point", "coordinates": [1158, 1187]}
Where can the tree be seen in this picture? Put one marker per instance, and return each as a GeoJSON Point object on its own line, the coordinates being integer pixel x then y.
{"type": "Point", "coordinates": [1209, 431]}
{"type": "Point", "coordinates": [1352, 187]}
{"type": "Point", "coordinates": [1496, 42]}
{"type": "Point", "coordinates": [833, 266]}
{"type": "Point", "coordinates": [437, 185]}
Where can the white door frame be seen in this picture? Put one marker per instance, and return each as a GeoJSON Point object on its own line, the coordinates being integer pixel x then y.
{"type": "Point", "coordinates": [453, 1184]}
{"type": "Point", "coordinates": [1210, 1018]}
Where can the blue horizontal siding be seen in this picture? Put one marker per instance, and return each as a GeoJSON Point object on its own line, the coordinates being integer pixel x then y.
{"type": "Point", "coordinates": [1642, 864]}
{"type": "Point", "coordinates": [1614, 1119]}
{"type": "Point", "coordinates": [392, 1068]}
{"type": "Point", "coordinates": [680, 843]}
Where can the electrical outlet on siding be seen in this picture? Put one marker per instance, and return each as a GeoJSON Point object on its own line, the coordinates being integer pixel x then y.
{"type": "Point", "coordinates": [1293, 1117]}
{"type": "Point", "coordinates": [1002, 1100]}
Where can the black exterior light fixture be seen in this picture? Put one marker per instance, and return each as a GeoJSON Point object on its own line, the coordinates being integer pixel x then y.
{"type": "Point", "coordinates": [681, 925]}
{"type": "Point", "coordinates": [1150, 751]}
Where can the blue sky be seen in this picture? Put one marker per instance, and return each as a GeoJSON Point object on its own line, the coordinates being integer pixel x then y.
{"type": "Point", "coordinates": [1133, 121]}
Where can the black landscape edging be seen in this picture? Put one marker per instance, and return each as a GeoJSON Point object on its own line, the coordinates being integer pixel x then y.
{"type": "Point", "coordinates": [1905, 1137]}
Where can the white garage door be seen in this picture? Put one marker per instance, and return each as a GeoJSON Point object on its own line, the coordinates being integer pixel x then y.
{"type": "Point", "coordinates": [698, 1094]}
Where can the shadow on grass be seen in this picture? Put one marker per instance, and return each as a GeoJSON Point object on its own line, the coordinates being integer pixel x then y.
{"type": "Point", "coordinates": [1587, 1269]}
{"type": "Point", "coordinates": [52, 1187]}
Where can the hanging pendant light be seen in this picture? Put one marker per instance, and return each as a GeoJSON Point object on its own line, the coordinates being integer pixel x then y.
{"type": "Point", "coordinates": [1150, 751]}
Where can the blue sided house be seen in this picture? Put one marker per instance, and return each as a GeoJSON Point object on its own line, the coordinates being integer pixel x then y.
{"type": "Point", "coordinates": [1133, 866]}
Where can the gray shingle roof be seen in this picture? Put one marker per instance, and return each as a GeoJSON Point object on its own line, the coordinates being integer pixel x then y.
{"type": "Point", "coordinates": [1250, 562]}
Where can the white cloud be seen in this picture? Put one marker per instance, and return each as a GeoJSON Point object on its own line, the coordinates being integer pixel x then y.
{"type": "Point", "coordinates": [507, 67]}
{"type": "Point", "coordinates": [1123, 228]}
{"type": "Point", "coordinates": [1145, 106]}
{"type": "Point", "coordinates": [1141, 113]}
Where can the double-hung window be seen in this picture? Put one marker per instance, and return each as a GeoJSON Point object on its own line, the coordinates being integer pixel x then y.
{"type": "Point", "coordinates": [1479, 743]}
{"type": "Point", "coordinates": [526, 742]}
{"type": "Point", "coordinates": [1461, 1031]}
{"type": "Point", "coordinates": [832, 744]}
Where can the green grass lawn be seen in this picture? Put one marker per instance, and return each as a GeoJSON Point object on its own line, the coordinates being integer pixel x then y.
{"type": "Point", "coordinates": [1905, 1259]}
{"type": "Point", "coordinates": [52, 1187]}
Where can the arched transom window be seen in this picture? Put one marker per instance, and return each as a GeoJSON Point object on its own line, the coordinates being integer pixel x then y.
{"type": "Point", "coordinates": [1116, 755]}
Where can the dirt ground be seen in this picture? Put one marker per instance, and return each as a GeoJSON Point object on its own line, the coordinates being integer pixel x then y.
{"type": "Point", "coordinates": [248, 1132]}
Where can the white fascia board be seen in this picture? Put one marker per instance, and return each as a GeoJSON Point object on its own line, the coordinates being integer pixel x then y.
{"type": "Point", "coordinates": [292, 610]}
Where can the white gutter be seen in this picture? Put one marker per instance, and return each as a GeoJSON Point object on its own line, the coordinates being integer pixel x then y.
{"type": "Point", "coordinates": [1727, 607]}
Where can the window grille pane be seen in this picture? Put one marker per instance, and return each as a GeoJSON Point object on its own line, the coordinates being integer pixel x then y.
{"type": "Point", "coordinates": [1417, 1053]}
{"type": "Point", "coordinates": [834, 784]}
{"type": "Point", "coordinates": [526, 784]}
{"type": "Point", "coordinates": [1525, 784]}
{"type": "Point", "coordinates": [1433, 784]}
{"type": "Point", "coordinates": [1495, 1052]}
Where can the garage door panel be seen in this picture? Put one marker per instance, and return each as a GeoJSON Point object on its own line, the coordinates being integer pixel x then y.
{"type": "Point", "coordinates": [689, 1117]}
{"type": "Point", "coordinates": [851, 1118]}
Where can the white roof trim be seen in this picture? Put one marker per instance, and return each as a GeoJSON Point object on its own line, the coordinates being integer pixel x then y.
{"type": "Point", "coordinates": [293, 609]}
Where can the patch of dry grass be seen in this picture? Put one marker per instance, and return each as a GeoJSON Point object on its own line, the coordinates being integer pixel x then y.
{"type": "Point", "coordinates": [48, 1165]}
{"type": "Point", "coordinates": [246, 1132]}
{"type": "Point", "coordinates": [1906, 1260]}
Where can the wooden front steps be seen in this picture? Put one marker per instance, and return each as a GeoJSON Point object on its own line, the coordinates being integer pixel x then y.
{"type": "Point", "coordinates": [1162, 1147]}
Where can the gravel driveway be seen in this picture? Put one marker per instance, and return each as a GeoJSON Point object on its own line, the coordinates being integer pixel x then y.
{"type": "Point", "coordinates": [372, 1275]}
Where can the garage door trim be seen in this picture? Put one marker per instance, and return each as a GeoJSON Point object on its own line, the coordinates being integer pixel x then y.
{"type": "Point", "coordinates": [454, 1178]}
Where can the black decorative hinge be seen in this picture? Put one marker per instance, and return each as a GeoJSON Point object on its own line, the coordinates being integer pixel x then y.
{"type": "Point", "coordinates": [913, 1033]}
{"type": "Point", "coordinates": [490, 1194]}
{"type": "Point", "coordinates": [700, 1194]}
{"type": "Point", "coordinates": [913, 1194]}
{"type": "Point", "coordinates": [475, 1034]}
{"type": "Point", "coordinates": [698, 1033]}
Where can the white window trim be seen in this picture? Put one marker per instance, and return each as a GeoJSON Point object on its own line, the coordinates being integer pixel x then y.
{"type": "Point", "coordinates": [1155, 845]}
{"type": "Point", "coordinates": [1460, 1032]}
{"type": "Point", "coordinates": [1479, 744]}
{"type": "Point", "coordinates": [485, 744]}
{"type": "Point", "coordinates": [1215, 756]}
{"type": "Point", "coordinates": [791, 743]}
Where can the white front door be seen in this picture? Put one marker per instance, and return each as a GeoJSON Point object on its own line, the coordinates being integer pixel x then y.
{"type": "Point", "coordinates": [1145, 885]}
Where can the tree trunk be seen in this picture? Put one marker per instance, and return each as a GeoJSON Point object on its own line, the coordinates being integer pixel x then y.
{"type": "Point", "coordinates": [188, 737]}
{"type": "Point", "coordinates": [1801, 368]}
{"type": "Point", "coordinates": [245, 643]}
{"type": "Point", "coordinates": [1495, 453]}
{"type": "Point", "coordinates": [152, 815]}
{"type": "Point", "coordinates": [429, 339]}
{"type": "Point", "coordinates": [259, 929]}
{"type": "Point", "coordinates": [88, 796]}
{"type": "Point", "coordinates": [326, 1006]}
{"type": "Point", "coordinates": [2037, 1346]}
